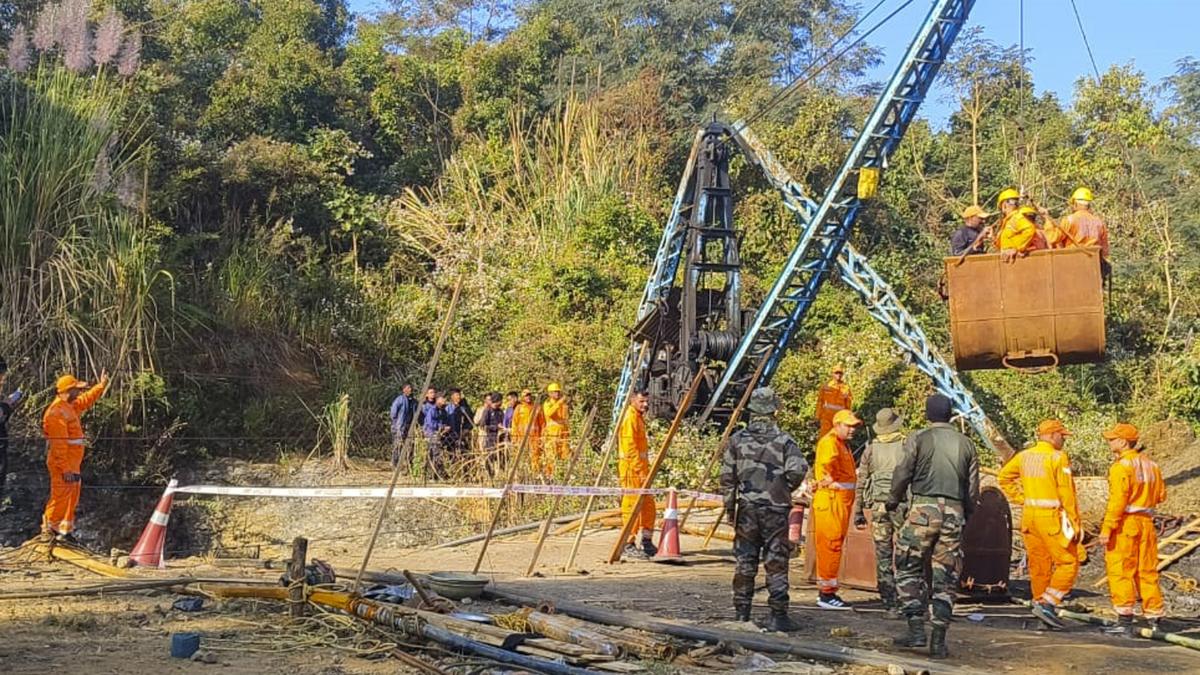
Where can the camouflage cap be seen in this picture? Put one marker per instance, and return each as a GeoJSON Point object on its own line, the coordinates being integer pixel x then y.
{"type": "Point", "coordinates": [763, 401]}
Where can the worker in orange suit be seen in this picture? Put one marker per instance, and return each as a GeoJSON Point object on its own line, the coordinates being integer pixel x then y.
{"type": "Point", "coordinates": [556, 435]}
{"type": "Point", "coordinates": [1135, 488]}
{"type": "Point", "coordinates": [1088, 228]}
{"type": "Point", "coordinates": [833, 396]}
{"type": "Point", "coordinates": [834, 474]}
{"type": "Point", "coordinates": [1017, 232]}
{"type": "Point", "coordinates": [633, 466]}
{"type": "Point", "coordinates": [528, 411]}
{"type": "Point", "coordinates": [64, 457]}
{"type": "Point", "coordinates": [1040, 477]}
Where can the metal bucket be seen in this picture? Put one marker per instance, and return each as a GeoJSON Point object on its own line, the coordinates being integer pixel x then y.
{"type": "Point", "coordinates": [1041, 310]}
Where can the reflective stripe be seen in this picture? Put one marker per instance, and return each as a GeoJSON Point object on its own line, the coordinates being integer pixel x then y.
{"type": "Point", "coordinates": [833, 406]}
{"type": "Point", "coordinates": [1139, 509]}
{"type": "Point", "coordinates": [1043, 503]}
{"type": "Point", "coordinates": [842, 486]}
{"type": "Point", "coordinates": [827, 583]}
{"type": "Point", "coordinates": [1053, 596]}
{"type": "Point", "coordinates": [160, 518]}
{"type": "Point", "coordinates": [76, 441]}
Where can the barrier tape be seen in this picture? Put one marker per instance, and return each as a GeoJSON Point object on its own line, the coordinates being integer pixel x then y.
{"type": "Point", "coordinates": [428, 492]}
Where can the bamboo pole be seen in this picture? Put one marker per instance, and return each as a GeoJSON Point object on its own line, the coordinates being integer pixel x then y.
{"type": "Point", "coordinates": [806, 648]}
{"type": "Point", "coordinates": [512, 477]}
{"type": "Point", "coordinates": [684, 405]}
{"type": "Point", "coordinates": [609, 444]}
{"type": "Point", "coordinates": [525, 527]}
{"type": "Point", "coordinates": [575, 522]}
{"type": "Point", "coordinates": [537, 550]}
{"type": "Point", "coordinates": [733, 420]}
{"type": "Point", "coordinates": [412, 428]}
{"type": "Point", "coordinates": [1148, 633]}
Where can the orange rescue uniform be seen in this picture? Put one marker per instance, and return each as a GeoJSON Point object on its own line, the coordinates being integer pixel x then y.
{"type": "Point", "coordinates": [1135, 488]}
{"type": "Point", "coordinates": [1041, 478]}
{"type": "Point", "coordinates": [64, 457]}
{"type": "Point", "coordinates": [832, 397]}
{"type": "Point", "coordinates": [633, 466]}
{"type": "Point", "coordinates": [1088, 230]}
{"type": "Point", "coordinates": [1017, 232]}
{"type": "Point", "coordinates": [831, 508]}
{"type": "Point", "coordinates": [557, 432]}
{"type": "Point", "coordinates": [522, 413]}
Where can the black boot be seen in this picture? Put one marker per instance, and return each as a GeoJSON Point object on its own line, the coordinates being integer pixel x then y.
{"type": "Point", "coordinates": [915, 637]}
{"type": "Point", "coordinates": [780, 621]}
{"type": "Point", "coordinates": [1123, 627]}
{"type": "Point", "coordinates": [937, 643]}
{"type": "Point", "coordinates": [741, 612]}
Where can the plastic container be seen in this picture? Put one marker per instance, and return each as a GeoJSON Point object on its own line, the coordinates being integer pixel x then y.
{"type": "Point", "coordinates": [183, 645]}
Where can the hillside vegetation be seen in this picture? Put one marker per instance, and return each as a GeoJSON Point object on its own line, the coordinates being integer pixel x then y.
{"type": "Point", "coordinates": [250, 209]}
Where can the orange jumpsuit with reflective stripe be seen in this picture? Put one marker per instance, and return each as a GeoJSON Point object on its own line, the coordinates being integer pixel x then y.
{"type": "Point", "coordinates": [1017, 232]}
{"type": "Point", "coordinates": [1135, 487]}
{"type": "Point", "coordinates": [522, 413]}
{"type": "Point", "coordinates": [1089, 230]}
{"type": "Point", "coordinates": [64, 457]}
{"type": "Point", "coordinates": [832, 397]}
{"type": "Point", "coordinates": [831, 507]}
{"type": "Point", "coordinates": [1041, 478]}
{"type": "Point", "coordinates": [556, 435]}
{"type": "Point", "coordinates": [633, 466]}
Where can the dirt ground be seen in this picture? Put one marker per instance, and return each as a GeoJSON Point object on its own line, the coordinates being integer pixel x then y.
{"type": "Point", "coordinates": [130, 632]}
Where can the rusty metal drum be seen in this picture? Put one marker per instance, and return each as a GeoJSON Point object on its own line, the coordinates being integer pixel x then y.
{"type": "Point", "coordinates": [1038, 311]}
{"type": "Point", "coordinates": [987, 546]}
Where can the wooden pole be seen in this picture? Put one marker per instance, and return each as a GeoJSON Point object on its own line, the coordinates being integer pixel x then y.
{"type": "Point", "coordinates": [296, 577]}
{"type": "Point", "coordinates": [512, 477]}
{"type": "Point", "coordinates": [579, 447]}
{"type": "Point", "coordinates": [412, 429]}
{"type": "Point", "coordinates": [684, 405]}
{"type": "Point", "coordinates": [733, 420]}
{"type": "Point", "coordinates": [609, 444]}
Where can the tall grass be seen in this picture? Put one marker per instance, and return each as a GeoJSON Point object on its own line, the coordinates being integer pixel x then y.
{"type": "Point", "coordinates": [530, 191]}
{"type": "Point", "coordinates": [78, 268]}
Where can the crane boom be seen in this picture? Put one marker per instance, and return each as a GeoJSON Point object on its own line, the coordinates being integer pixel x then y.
{"type": "Point", "coordinates": [775, 323]}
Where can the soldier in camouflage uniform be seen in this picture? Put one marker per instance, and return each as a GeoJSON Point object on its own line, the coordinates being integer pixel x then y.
{"type": "Point", "coordinates": [874, 488]}
{"type": "Point", "coordinates": [941, 467]}
{"type": "Point", "coordinates": [761, 467]}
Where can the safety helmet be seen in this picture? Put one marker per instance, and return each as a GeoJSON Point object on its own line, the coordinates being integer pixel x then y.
{"type": "Point", "coordinates": [553, 387]}
{"type": "Point", "coordinates": [1027, 211]}
{"type": "Point", "coordinates": [67, 383]}
{"type": "Point", "coordinates": [1007, 194]}
{"type": "Point", "coordinates": [1082, 194]}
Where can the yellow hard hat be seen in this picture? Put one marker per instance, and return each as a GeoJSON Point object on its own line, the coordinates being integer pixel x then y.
{"type": "Point", "coordinates": [1007, 194]}
{"type": "Point", "coordinates": [67, 383]}
{"type": "Point", "coordinates": [553, 387]}
{"type": "Point", "coordinates": [1027, 211]}
{"type": "Point", "coordinates": [1082, 194]}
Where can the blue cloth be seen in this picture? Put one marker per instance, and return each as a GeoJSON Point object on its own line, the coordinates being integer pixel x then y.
{"type": "Point", "coordinates": [961, 240]}
{"type": "Point", "coordinates": [508, 415]}
{"type": "Point", "coordinates": [432, 418]}
{"type": "Point", "coordinates": [401, 413]}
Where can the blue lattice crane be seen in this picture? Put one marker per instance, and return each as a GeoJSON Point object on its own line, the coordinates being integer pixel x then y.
{"type": "Point", "coordinates": [684, 321]}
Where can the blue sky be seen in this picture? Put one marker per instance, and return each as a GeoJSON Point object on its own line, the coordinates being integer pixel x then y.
{"type": "Point", "coordinates": [1151, 34]}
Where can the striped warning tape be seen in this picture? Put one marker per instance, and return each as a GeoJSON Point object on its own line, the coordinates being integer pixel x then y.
{"type": "Point", "coordinates": [429, 492]}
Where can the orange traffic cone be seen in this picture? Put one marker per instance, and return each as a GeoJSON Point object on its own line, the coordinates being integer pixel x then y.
{"type": "Point", "coordinates": [149, 549]}
{"type": "Point", "coordinates": [668, 543]}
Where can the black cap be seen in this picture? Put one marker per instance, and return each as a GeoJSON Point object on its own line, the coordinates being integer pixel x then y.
{"type": "Point", "coordinates": [938, 408]}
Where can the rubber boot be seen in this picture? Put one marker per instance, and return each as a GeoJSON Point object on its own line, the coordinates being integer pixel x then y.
{"type": "Point", "coordinates": [937, 643]}
{"type": "Point", "coordinates": [741, 612]}
{"type": "Point", "coordinates": [1123, 627]}
{"type": "Point", "coordinates": [780, 621]}
{"type": "Point", "coordinates": [915, 637]}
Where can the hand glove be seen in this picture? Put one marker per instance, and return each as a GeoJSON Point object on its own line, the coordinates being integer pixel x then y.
{"type": "Point", "coordinates": [891, 506]}
{"type": "Point", "coordinates": [860, 521]}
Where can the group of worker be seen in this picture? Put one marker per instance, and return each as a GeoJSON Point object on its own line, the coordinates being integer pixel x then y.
{"type": "Point", "coordinates": [920, 489]}
{"type": "Point", "coordinates": [452, 431]}
{"type": "Point", "coordinates": [1023, 229]}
